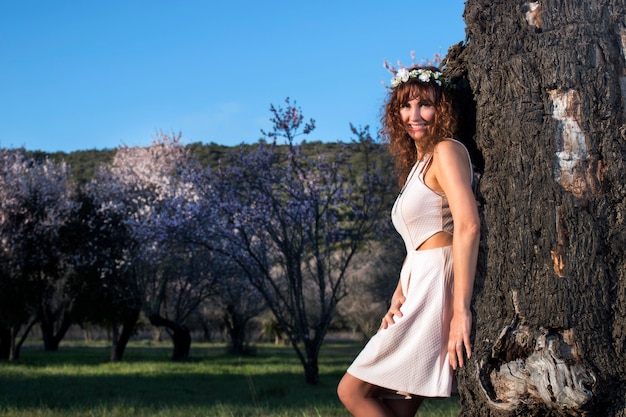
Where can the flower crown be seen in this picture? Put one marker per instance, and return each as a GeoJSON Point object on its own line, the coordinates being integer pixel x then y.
{"type": "Point", "coordinates": [424, 75]}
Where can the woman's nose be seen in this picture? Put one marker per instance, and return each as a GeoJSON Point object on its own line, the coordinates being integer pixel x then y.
{"type": "Point", "coordinates": [415, 113]}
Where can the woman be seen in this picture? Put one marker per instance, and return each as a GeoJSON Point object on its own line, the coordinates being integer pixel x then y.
{"type": "Point", "coordinates": [426, 332]}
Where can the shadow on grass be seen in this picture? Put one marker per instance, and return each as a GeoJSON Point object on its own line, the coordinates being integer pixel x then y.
{"type": "Point", "coordinates": [182, 389]}
{"type": "Point", "coordinates": [81, 377]}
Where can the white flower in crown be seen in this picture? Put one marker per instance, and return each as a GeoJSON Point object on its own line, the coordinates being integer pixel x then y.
{"type": "Point", "coordinates": [424, 75]}
{"type": "Point", "coordinates": [403, 74]}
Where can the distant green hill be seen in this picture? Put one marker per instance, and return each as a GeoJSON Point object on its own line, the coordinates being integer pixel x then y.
{"type": "Point", "coordinates": [84, 163]}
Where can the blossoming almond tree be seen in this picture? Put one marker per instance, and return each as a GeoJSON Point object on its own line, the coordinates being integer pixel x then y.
{"type": "Point", "coordinates": [125, 194]}
{"type": "Point", "coordinates": [294, 223]}
{"type": "Point", "coordinates": [114, 197]}
{"type": "Point", "coordinates": [37, 201]}
{"type": "Point", "coordinates": [164, 276]}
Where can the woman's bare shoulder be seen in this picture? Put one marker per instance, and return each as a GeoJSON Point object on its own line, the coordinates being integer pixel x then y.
{"type": "Point", "coordinates": [448, 148]}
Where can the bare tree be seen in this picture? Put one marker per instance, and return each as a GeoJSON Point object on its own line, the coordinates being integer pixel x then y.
{"type": "Point", "coordinates": [548, 82]}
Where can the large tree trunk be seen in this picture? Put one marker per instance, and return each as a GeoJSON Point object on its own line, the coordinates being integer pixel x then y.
{"type": "Point", "coordinates": [236, 326]}
{"type": "Point", "coordinates": [181, 337]}
{"type": "Point", "coordinates": [548, 80]}
{"type": "Point", "coordinates": [53, 328]}
{"type": "Point", "coordinates": [5, 342]}
{"type": "Point", "coordinates": [16, 342]}
{"type": "Point", "coordinates": [119, 339]}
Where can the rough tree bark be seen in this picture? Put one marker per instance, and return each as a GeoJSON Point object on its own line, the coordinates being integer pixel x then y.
{"type": "Point", "coordinates": [548, 81]}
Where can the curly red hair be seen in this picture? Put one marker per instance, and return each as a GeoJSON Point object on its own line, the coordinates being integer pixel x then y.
{"type": "Point", "coordinates": [401, 146]}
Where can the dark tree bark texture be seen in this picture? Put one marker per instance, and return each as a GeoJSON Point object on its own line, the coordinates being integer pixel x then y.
{"type": "Point", "coordinates": [548, 82]}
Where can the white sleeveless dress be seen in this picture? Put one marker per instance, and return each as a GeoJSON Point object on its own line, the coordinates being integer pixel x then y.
{"type": "Point", "coordinates": [411, 356]}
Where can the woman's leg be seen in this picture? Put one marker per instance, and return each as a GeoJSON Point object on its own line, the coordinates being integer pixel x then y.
{"type": "Point", "coordinates": [404, 407]}
{"type": "Point", "coordinates": [362, 399]}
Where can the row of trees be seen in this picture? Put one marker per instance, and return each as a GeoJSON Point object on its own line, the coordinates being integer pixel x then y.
{"type": "Point", "coordinates": [155, 232]}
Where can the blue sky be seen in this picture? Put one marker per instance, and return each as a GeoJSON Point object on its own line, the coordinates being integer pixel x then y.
{"type": "Point", "coordinates": [78, 75]}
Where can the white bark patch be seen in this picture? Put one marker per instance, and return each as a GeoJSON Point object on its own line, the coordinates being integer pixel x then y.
{"type": "Point", "coordinates": [571, 152]}
{"type": "Point", "coordinates": [536, 368]}
{"type": "Point", "coordinates": [533, 14]}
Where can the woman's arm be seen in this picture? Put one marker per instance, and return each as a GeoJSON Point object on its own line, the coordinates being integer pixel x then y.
{"type": "Point", "coordinates": [453, 175]}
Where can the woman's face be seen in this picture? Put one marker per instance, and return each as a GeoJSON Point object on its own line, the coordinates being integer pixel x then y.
{"type": "Point", "coordinates": [417, 115]}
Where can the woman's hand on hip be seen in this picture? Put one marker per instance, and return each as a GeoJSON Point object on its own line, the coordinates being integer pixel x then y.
{"type": "Point", "coordinates": [394, 310]}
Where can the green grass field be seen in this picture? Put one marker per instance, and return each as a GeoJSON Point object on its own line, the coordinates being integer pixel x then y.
{"type": "Point", "coordinates": [78, 381]}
